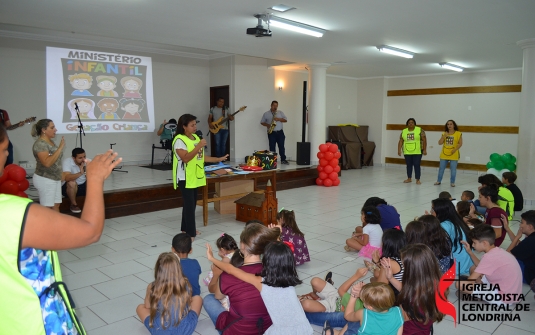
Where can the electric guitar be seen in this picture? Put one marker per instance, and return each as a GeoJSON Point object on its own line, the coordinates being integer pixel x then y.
{"type": "Point", "coordinates": [22, 123]}
{"type": "Point", "coordinates": [217, 124]}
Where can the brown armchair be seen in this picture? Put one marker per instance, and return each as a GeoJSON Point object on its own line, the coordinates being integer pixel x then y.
{"type": "Point", "coordinates": [356, 149]}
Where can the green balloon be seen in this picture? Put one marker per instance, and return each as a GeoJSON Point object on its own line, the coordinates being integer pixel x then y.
{"type": "Point", "coordinates": [506, 158]}
{"type": "Point", "coordinates": [490, 165]}
{"type": "Point", "coordinates": [510, 166]}
{"type": "Point", "coordinates": [499, 165]}
{"type": "Point", "coordinates": [513, 159]}
{"type": "Point", "coordinates": [495, 157]}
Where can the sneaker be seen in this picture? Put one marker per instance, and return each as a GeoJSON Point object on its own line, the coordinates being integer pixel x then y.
{"type": "Point", "coordinates": [285, 162]}
{"type": "Point", "coordinates": [75, 209]}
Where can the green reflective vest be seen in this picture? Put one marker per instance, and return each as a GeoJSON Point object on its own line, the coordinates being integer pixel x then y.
{"type": "Point", "coordinates": [195, 176]}
{"type": "Point", "coordinates": [19, 307]}
{"type": "Point", "coordinates": [411, 141]}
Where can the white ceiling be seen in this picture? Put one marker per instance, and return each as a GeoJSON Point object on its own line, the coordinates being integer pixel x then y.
{"type": "Point", "coordinates": [477, 34]}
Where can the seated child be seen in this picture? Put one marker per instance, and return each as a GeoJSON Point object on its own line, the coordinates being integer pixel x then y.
{"type": "Point", "coordinates": [325, 298]}
{"type": "Point", "coordinates": [169, 307]}
{"type": "Point", "coordinates": [291, 233]}
{"type": "Point", "coordinates": [191, 268]}
{"type": "Point", "coordinates": [390, 217]}
{"type": "Point", "coordinates": [226, 246]}
{"type": "Point", "coordinates": [393, 241]}
{"type": "Point", "coordinates": [367, 238]}
{"type": "Point", "coordinates": [497, 266]}
{"type": "Point", "coordinates": [508, 179]}
{"type": "Point", "coordinates": [468, 212]}
{"type": "Point", "coordinates": [379, 316]}
{"type": "Point", "coordinates": [468, 196]}
{"type": "Point", "coordinates": [524, 251]}
{"type": "Point", "coordinates": [447, 195]}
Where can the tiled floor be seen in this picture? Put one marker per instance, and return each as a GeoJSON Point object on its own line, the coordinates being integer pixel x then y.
{"type": "Point", "coordinates": [108, 279]}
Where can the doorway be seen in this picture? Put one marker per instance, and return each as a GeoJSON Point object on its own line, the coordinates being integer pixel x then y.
{"type": "Point", "coordinates": [217, 92]}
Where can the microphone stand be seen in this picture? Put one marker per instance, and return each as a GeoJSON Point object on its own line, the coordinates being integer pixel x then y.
{"type": "Point", "coordinates": [80, 125]}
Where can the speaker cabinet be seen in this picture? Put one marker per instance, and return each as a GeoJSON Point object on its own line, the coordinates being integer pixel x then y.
{"type": "Point", "coordinates": [303, 153]}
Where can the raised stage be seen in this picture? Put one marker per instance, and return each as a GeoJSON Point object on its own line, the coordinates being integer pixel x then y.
{"type": "Point", "coordinates": [144, 190]}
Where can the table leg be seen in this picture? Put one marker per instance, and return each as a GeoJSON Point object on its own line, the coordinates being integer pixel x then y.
{"type": "Point", "coordinates": [205, 204]}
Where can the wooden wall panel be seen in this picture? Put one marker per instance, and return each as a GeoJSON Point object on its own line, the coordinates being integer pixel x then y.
{"type": "Point", "coordinates": [464, 129]}
{"type": "Point", "coordinates": [460, 166]}
{"type": "Point", "coordinates": [456, 90]}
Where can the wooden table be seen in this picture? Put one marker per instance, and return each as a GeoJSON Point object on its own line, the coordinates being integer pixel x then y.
{"type": "Point", "coordinates": [272, 174]}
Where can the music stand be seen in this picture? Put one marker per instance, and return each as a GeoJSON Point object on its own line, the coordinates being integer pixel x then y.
{"type": "Point", "coordinates": [116, 169]}
{"type": "Point", "coordinates": [169, 158]}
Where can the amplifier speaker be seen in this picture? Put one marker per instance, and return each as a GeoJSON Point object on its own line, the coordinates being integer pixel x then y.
{"type": "Point", "coordinates": [303, 153]}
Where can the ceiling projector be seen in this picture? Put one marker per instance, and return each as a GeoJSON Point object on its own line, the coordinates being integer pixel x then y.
{"type": "Point", "coordinates": [259, 30]}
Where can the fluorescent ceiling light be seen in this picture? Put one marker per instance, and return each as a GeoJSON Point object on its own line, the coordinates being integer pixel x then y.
{"type": "Point", "coordinates": [395, 51]}
{"type": "Point", "coordinates": [296, 26]}
{"type": "Point", "coordinates": [452, 67]}
{"type": "Point", "coordinates": [281, 8]}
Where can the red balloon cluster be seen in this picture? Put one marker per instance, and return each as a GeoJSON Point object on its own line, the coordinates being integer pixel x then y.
{"type": "Point", "coordinates": [13, 181]}
{"type": "Point", "coordinates": [328, 168]}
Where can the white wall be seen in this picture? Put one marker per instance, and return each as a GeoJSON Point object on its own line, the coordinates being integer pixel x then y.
{"type": "Point", "coordinates": [485, 109]}
{"type": "Point", "coordinates": [180, 86]}
{"type": "Point", "coordinates": [371, 107]}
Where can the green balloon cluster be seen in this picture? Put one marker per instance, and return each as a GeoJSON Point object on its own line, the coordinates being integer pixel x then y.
{"type": "Point", "coordinates": [500, 162]}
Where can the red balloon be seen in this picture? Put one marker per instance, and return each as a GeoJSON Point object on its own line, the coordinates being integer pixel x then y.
{"type": "Point", "coordinates": [328, 155]}
{"type": "Point", "coordinates": [320, 168]}
{"type": "Point", "coordinates": [324, 162]}
{"type": "Point", "coordinates": [333, 176]}
{"type": "Point", "coordinates": [327, 183]}
{"type": "Point", "coordinates": [319, 182]}
{"type": "Point", "coordinates": [17, 173]}
{"type": "Point", "coordinates": [323, 175]}
{"type": "Point", "coordinates": [23, 185]}
{"type": "Point", "coordinates": [337, 154]}
{"type": "Point", "coordinates": [320, 155]}
{"type": "Point", "coordinates": [9, 187]}
{"type": "Point", "coordinates": [22, 194]}
{"type": "Point", "coordinates": [336, 182]}
{"type": "Point", "coordinates": [328, 169]}
{"type": "Point", "coordinates": [333, 162]}
{"type": "Point", "coordinates": [333, 148]}
{"type": "Point", "coordinates": [336, 168]}
{"type": "Point", "coordinates": [324, 147]}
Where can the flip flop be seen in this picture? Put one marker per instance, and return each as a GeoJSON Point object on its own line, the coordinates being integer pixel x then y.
{"type": "Point", "coordinates": [328, 278]}
{"type": "Point", "coordinates": [198, 232]}
{"type": "Point", "coordinates": [407, 181]}
{"type": "Point", "coordinates": [418, 182]}
{"type": "Point", "coordinates": [437, 183]}
{"type": "Point", "coordinates": [327, 329]}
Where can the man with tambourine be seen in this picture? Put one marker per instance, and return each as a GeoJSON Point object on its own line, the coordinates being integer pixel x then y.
{"type": "Point", "coordinates": [167, 132]}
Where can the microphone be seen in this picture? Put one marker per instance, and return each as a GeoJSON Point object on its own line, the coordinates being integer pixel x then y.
{"type": "Point", "coordinates": [199, 133]}
{"type": "Point", "coordinates": [75, 106]}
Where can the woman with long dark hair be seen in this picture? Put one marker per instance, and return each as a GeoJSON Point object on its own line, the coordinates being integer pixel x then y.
{"type": "Point", "coordinates": [451, 141]}
{"type": "Point", "coordinates": [188, 168]}
{"type": "Point", "coordinates": [414, 143]}
{"type": "Point", "coordinates": [427, 231]}
{"type": "Point", "coordinates": [457, 231]}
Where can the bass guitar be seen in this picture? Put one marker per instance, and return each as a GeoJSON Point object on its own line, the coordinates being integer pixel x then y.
{"type": "Point", "coordinates": [216, 125]}
{"type": "Point", "coordinates": [22, 123]}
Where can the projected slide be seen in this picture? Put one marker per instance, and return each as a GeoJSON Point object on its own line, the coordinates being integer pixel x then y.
{"type": "Point", "coordinates": [113, 92]}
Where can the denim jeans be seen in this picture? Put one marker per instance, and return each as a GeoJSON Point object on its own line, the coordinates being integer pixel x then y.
{"type": "Point", "coordinates": [213, 307]}
{"type": "Point", "coordinates": [336, 319]}
{"type": "Point", "coordinates": [413, 160]}
{"type": "Point", "coordinates": [221, 142]}
{"type": "Point", "coordinates": [453, 170]}
{"type": "Point", "coordinates": [277, 137]}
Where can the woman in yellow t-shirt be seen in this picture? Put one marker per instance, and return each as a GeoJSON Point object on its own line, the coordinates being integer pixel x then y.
{"type": "Point", "coordinates": [451, 141]}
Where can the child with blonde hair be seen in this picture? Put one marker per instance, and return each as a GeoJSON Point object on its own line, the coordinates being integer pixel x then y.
{"type": "Point", "coordinates": [169, 307]}
{"type": "Point", "coordinates": [378, 315]}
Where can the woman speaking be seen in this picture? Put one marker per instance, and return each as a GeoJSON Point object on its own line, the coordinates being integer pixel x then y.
{"type": "Point", "coordinates": [451, 141]}
{"type": "Point", "coordinates": [188, 168]}
{"type": "Point", "coordinates": [414, 143]}
{"type": "Point", "coordinates": [48, 170]}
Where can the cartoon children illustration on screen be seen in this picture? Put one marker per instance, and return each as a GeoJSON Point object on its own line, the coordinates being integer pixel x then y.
{"type": "Point", "coordinates": [86, 107]}
{"type": "Point", "coordinates": [108, 107]}
{"type": "Point", "coordinates": [81, 82]}
{"type": "Point", "coordinates": [131, 108]}
{"type": "Point", "coordinates": [106, 85]}
{"type": "Point", "coordinates": [131, 86]}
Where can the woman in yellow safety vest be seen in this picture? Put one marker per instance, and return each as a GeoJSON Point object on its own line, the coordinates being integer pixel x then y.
{"type": "Point", "coordinates": [451, 141]}
{"type": "Point", "coordinates": [188, 168]}
{"type": "Point", "coordinates": [27, 225]}
{"type": "Point", "coordinates": [413, 143]}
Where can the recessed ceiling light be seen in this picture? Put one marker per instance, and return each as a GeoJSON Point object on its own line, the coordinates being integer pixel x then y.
{"type": "Point", "coordinates": [281, 8]}
{"type": "Point", "coordinates": [452, 67]}
{"type": "Point", "coordinates": [395, 51]}
{"type": "Point", "coordinates": [299, 27]}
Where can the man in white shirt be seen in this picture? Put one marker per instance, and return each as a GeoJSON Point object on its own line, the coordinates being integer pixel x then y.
{"type": "Point", "coordinates": [73, 183]}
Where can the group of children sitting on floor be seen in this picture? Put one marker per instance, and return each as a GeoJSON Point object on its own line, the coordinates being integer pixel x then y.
{"type": "Point", "coordinates": [398, 299]}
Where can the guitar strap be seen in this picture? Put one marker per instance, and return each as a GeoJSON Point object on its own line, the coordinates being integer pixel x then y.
{"type": "Point", "coordinates": [2, 116]}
